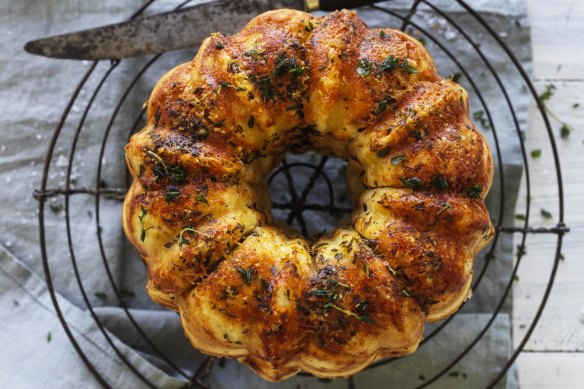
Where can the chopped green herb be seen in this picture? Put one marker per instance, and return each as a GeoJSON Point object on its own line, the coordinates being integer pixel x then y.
{"type": "Point", "coordinates": [565, 131]}
{"type": "Point", "coordinates": [226, 85]}
{"type": "Point", "coordinates": [171, 195]}
{"type": "Point", "coordinates": [335, 284]}
{"type": "Point", "coordinates": [362, 306]}
{"type": "Point", "coordinates": [455, 76]}
{"type": "Point", "coordinates": [388, 64]}
{"type": "Point", "coordinates": [143, 214]}
{"type": "Point", "coordinates": [56, 208]}
{"type": "Point", "coordinates": [49, 337]}
{"type": "Point", "coordinates": [575, 105]}
{"type": "Point", "coordinates": [405, 293]}
{"type": "Point", "coordinates": [288, 65]}
{"type": "Point", "coordinates": [383, 152]}
{"type": "Point", "coordinates": [391, 270]}
{"type": "Point", "coordinates": [364, 67]}
{"type": "Point", "coordinates": [521, 250]}
{"type": "Point", "coordinates": [535, 153]}
{"type": "Point", "coordinates": [383, 104]}
{"type": "Point", "coordinates": [444, 208]}
{"type": "Point", "coordinates": [474, 192]}
{"type": "Point", "coordinates": [176, 173]}
{"type": "Point", "coordinates": [480, 116]}
{"type": "Point", "coordinates": [201, 199]}
{"type": "Point", "coordinates": [100, 295]}
{"type": "Point", "coordinates": [246, 274]}
{"type": "Point", "coordinates": [332, 296]}
{"type": "Point", "coordinates": [382, 34]}
{"type": "Point", "coordinates": [219, 45]}
{"type": "Point", "coordinates": [396, 160]}
{"type": "Point", "coordinates": [266, 90]}
{"type": "Point", "coordinates": [408, 68]}
{"type": "Point", "coordinates": [439, 182]}
{"type": "Point", "coordinates": [294, 107]}
{"type": "Point", "coordinates": [365, 319]}
{"type": "Point", "coordinates": [309, 27]}
{"type": "Point", "coordinates": [320, 292]}
{"type": "Point", "coordinates": [366, 270]}
{"type": "Point", "coordinates": [548, 93]}
{"type": "Point", "coordinates": [413, 182]}
{"type": "Point", "coordinates": [253, 54]}
{"type": "Point", "coordinates": [546, 214]}
{"type": "Point", "coordinates": [520, 217]}
{"type": "Point", "coordinates": [562, 257]}
{"type": "Point", "coordinates": [250, 122]}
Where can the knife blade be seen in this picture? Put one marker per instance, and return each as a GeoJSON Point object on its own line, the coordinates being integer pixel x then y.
{"type": "Point", "coordinates": [175, 30]}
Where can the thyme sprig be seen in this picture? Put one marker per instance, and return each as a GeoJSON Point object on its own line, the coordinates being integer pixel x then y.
{"type": "Point", "coordinates": [247, 275]}
{"type": "Point", "coordinates": [565, 128]}
{"type": "Point", "coordinates": [143, 214]}
{"type": "Point", "coordinates": [333, 296]}
{"type": "Point", "coordinates": [182, 240]}
{"type": "Point", "coordinates": [174, 172]}
{"type": "Point", "coordinates": [365, 67]}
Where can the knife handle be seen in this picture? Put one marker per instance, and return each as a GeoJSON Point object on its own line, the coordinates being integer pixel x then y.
{"type": "Point", "coordinates": [333, 5]}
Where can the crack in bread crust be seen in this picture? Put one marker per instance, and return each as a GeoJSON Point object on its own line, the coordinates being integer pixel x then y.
{"type": "Point", "coordinates": [199, 210]}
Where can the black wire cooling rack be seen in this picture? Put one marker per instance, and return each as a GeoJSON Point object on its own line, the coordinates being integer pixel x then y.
{"type": "Point", "coordinates": [296, 204]}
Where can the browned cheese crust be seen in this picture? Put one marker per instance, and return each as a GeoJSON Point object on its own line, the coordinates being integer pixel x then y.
{"type": "Point", "coordinates": [199, 213]}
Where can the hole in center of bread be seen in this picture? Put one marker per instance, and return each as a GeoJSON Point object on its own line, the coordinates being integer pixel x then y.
{"type": "Point", "coordinates": [309, 194]}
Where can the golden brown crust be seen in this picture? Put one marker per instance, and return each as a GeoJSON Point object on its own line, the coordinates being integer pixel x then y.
{"type": "Point", "coordinates": [198, 210]}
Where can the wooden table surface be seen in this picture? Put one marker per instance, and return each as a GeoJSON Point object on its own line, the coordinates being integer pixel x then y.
{"type": "Point", "coordinates": [554, 355]}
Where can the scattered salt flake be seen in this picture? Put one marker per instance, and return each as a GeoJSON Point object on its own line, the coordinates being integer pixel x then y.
{"type": "Point", "coordinates": [449, 35]}
{"type": "Point", "coordinates": [8, 243]}
{"type": "Point", "coordinates": [503, 34]}
{"type": "Point", "coordinates": [85, 62]}
{"type": "Point", "coordinates": [39, 136]}
{"type": "Point", "coordinates": [8, 179]}
{"type": "Point", "coordinates": [3, 148]}
{"type": "Point", "coordinates": [62, 161]}
{"type": "Point", "coordinates": [103, 161]}
{"type": "Point", "coordinates": [582, 315]}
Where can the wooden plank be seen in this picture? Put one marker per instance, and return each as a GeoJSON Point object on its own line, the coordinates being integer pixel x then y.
{"type": "Point", "coordinates": [557, 35]}
{"type": "Point", "coordinates": [560, 327]}
{"type": "Point", "coordinates": [551, 370]}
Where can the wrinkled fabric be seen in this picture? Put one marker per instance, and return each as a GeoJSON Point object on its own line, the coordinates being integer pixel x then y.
{"type": "Point", "coordinates": [35, 91]}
